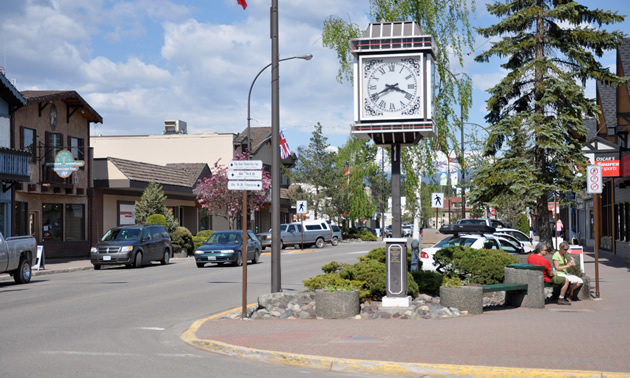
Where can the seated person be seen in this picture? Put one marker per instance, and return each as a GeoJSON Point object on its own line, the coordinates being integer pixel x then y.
{"type": "Point", "coordinates": [538, 258]}
{"type": "Point", "coordinates": [560, 264]}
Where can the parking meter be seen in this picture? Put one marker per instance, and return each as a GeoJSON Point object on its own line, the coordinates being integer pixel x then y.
{"type": "Point", "coordinates": [415, 255]}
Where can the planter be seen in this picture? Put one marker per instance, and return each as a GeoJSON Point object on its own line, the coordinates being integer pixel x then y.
{"type": "Point", "coordinates": [337, 304]}
{"type": "Point", "coordinates": [463, 298]}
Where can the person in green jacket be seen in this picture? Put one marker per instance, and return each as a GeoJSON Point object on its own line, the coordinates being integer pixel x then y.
{"type": "Point", "coordinates": [561, 262]}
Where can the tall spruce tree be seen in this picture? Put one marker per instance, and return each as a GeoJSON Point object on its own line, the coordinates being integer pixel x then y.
{"type": "Point", "coordinates": [536, 111]}
{"type": "Point", "coordinates": [315, 168]}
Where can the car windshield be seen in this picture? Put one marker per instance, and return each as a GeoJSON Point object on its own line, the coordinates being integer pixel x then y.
{"type": "Point", "coordinates": [455, 240]}
{"type": "Point", "coordinates": [225, 238]}
{"type": "Point", "coordinates": [121, 234]}
{"type": "Point", "coordinates": [518, 235]}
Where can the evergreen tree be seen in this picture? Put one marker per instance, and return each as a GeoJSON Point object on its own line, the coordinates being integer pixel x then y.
{"type": "Point", "coordinates": [537, 110]}
{"type": "Point", "coordinates": [315, 168]}
{"type": "Point", "coordinates": [152, 202]}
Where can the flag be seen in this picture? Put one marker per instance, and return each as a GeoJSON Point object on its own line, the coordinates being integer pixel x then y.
{"type": "Point", "coordinates": [454, 178]}
{"type": "Point", "coordinates": [285, 151]}
{"type": "Point", "coordinates": [242, 3]}
{"type": "Point", "coordinates": [443, 179]}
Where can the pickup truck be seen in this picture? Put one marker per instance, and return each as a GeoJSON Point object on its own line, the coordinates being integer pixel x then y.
{"type": "Point", "coordinates": [17, 255]}
{"type": "Point", "coordinates": [315, 233]}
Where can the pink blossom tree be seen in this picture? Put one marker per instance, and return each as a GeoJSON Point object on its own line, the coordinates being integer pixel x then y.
{"type": "Point", "coordinates": [214, 196]}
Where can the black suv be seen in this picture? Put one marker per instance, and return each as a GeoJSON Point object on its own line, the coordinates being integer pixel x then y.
{"type": "Point", "coordinates": [132, 246]}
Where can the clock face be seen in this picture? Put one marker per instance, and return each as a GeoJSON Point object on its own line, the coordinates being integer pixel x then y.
{"type": "Point", "coordinates": [391, 87]}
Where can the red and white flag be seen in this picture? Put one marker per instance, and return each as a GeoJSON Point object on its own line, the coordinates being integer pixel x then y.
{"type": "Point", "coordinates": [242, 3]}
{"type": "Point", "coordinates": [285, 151]}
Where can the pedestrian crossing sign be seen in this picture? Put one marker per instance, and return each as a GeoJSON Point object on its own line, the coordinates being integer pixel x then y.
{"type": "Point", "coordinates": [437, 200]}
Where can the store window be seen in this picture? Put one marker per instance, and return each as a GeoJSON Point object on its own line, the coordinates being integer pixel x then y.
{"type": "Point", "coordinates": [54, 144]}
{"type": "Point", "coordinates": [205, 220]}
{"type": "Point", "coordinates": [52, 221]}
{"type": "Point", "coordinates": [75, 222]}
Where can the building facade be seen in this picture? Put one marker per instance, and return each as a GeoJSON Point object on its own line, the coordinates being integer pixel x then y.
{"type": "Point", "coordinates": [54, 205]}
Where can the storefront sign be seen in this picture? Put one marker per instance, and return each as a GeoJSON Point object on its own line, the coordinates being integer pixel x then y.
{"type": "Point", "coordinates": [609, 163]}
{"type": "Point", "coordinates": [65, 164]}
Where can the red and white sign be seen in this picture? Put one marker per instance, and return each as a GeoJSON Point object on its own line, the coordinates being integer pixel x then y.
{"type": "Point", "coordinates": [610, 167]}
{"type": "Point", "coordinates": [594, 182]}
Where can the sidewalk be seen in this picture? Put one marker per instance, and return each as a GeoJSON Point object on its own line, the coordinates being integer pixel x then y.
{"type": "Point", "coordinates": [591, 338]}
{"type": "Point", "coordinates": [58, 265]}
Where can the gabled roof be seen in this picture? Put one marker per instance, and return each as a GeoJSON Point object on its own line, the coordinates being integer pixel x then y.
{"type": "Point", "coordinates": [608, 98]}
{"type": "Point", "coordinates": [69, 97]}
{"type": "Point", "coordinates": [184, 175]}
{"type": "Point", "coordinates": [259, 135]}
{"type": "Point", "coordinates": [10, 94]}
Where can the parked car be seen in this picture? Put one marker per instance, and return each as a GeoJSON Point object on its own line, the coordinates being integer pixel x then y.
{"type": "Point", "coordinates": [407, 230]}
{"type": "Point", "coordinates": [17, 256]}
{"type": "Point", "coordinates": [132, 246]}
{"type": "Point", "coordinates": [226, 247]}
{"type": "Point", "coordinates": [487, 221]}
{"type": "Point", "coordinates": [526, 248]}
{"type": "Point", "coordinates": [475, 241]}
{"type": "Point", "coordinates": [388, 231]}
{"type": "Point", "coordinates": [336, 234]}
{"type": "Point", "coordinates": [316, 232]}
{"type": "Point", "coordinates": [520, 236]}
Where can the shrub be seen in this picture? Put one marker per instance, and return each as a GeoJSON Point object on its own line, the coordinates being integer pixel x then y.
{"type": "Point", "coordinates": [201, 237]}
{"type": "Point", "coordinates": [377, 254]}
{"type": "Point", "coordinates": [481, 266]}
{"type": "Point", "coordinates": [331, 282]}
{"type": "Point", "coordinates": [372, 273]}
{"type": "Point", "coordinates": [451, 282]}
{"type": "Point", "coordinates": [182, 238]}
{"type": "Point", "coordinates": [428, 282]}
{"type": "Point", "coordinates": [366, 235]}
{"type": "Point", "coordinates": [156, 219]}
{"type": "Point", "coordinates": [523, 224]}
{"type": "Point", "coordinates": [333, 267]}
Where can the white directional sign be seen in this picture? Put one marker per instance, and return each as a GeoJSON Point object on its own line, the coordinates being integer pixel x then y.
{"type": "Point", "coordinates": [300, 207]}
{"type": "Point", "coordinates": [244, 185]}
{"type": "Point", "coordinates": [437, 200]}
{"type": "Point", "coordinates": [594, 182]}
{"type": "Point", "coordinates": [245, 164]}
{"type": "Point", "coordinates": [245, 175]}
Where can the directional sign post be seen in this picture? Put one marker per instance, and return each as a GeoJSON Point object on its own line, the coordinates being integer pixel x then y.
{"type": "Point", "coordinates": [244, 185]}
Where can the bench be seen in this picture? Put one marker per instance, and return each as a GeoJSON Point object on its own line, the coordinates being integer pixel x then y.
{"type": "Point", "coordinates": [530, 275]}
{"type": "Point", "coordinates": [504, 287]}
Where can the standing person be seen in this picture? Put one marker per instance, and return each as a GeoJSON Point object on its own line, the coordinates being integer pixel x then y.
{"type": "Point", "coordinates": [538, 258]}
{"type": "Point", "coordinates": [559, 227]}
{"type": "Point", "coordinates": [561, 263]}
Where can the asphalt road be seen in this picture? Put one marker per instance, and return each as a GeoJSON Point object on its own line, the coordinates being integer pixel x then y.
{"type": "Point", "coordinates": [120, 322]}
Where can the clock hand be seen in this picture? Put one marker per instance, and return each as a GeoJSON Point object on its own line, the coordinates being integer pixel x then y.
{"type": "Point", "coordinates": [395, 87]}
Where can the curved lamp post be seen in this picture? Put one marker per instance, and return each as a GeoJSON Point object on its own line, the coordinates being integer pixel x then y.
{"type": "Point", "coordinates": [275, 168]}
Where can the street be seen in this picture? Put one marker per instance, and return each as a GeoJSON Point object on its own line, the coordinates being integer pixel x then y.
{"type": "Point", "coordinates": [120, 322]}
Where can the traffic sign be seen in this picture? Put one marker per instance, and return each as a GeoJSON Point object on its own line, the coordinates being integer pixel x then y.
{"type": "Point", "coordinates": [437, 200]}
{"type": "Point", "coordinates": [594, 182]}
{"type": "Point", "coordinates": [244, 185]}
{"type": "Point", "coordinates": [301, 207]}
{"type": "Point", "coordinates": [245, 175]}
{"type": "Point", "coordinates": [245, 164]}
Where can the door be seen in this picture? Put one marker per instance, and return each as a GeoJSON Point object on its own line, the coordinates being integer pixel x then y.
{"type": "Point", "coordinates": [147, 245]}
{"type": "Point", "coordinates": [33, 226]}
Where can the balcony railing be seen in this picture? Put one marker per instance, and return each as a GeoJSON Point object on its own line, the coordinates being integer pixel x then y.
{"type": "Point", "coordinates": [14, 165]}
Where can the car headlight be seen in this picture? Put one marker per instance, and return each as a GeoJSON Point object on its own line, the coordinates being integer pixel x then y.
{"type": "Point", "coordinates": [199, 252]}
{"type": "Point", "coordinates": [268, 237]}
{"type": "Point", "coordinates": [93, 250]}
{"type": "Point", "coordinates": [228, 251]}
{"type": "Point", "coordinates": [127, 248]}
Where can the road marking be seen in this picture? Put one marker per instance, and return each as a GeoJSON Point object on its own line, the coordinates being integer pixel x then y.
{"type": "Point", "coordinates": [115, 354]}
{"type": "Point", "coordinates": [151, 328]}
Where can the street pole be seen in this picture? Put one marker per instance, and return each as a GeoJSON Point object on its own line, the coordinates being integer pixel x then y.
{"type": "Point", "coordinates": [275, 153]}
{"type": "Point", "coordinates": [463, 161]}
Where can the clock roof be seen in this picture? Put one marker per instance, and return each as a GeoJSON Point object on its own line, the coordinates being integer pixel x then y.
{"type": "Point", "coordinates": [391, 37]}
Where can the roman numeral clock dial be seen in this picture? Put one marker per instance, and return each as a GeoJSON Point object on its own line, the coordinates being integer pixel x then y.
{"type": "Point", "coordinates": [391, 87]}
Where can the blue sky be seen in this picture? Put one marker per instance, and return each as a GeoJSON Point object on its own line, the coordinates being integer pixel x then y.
{"type": "Point", "coordinates": [140, 62]}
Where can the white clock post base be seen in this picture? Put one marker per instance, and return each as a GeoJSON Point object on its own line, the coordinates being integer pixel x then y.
{"type": "Point", "coordinates": [396, 301]}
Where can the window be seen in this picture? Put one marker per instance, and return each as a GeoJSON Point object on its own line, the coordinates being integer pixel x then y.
{"type": "Point", "coordinates": [75, 222]}
{"type": "Point", "coordinates": [76, 148]}
{"type": "Point", "coordinates": [21, 218]}
{"type": "Point", "coordinates": [312, 227]}
{"type": "Point", "coordinates": [205, 220]}
{"type": "Point", "coordinates": [54, 144]}
{"type": "Point", "coordinates": [52, 221]}
{"type": "Point", "coordinates": [28, 141]}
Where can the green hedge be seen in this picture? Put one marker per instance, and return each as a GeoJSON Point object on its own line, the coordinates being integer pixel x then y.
{"type": "Point", "coordinates": [480, 266]}
{"type": "Point", "coordinates": [156, 219]}
{"type": "Point", "coordinates": [182, 238]}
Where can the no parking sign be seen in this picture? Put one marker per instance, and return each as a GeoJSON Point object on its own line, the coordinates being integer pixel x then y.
{"type": "Point", "coordinates": [594, 182]}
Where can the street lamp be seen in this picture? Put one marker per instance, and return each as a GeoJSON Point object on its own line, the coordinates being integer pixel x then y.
{"type": "Point", "coordinates": [462, 166]}
{"type": "Point", "coordinates": [275, 166]}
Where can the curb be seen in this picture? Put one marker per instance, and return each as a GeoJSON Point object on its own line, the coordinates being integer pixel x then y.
{"type": "Point", "coordinates": [369, 366]}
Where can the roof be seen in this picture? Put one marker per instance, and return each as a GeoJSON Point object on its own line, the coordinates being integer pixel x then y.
{"type": "Point", "coordinates": [69, 97]}
{"type": "Point", "coordinates": [608, 99]}
{"type": "Point", "coordinates": [10, 94]}
{"type": "Point", "coordinates": [259, 135]}
{"type": "Point", "coordinates": [184, 175]}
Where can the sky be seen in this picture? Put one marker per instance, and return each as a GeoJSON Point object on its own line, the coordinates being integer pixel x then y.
{"type": "Point", "coordinates": [140, 62]}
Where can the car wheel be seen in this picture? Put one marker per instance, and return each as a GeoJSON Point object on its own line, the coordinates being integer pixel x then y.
{"type": "Point", "coordinates": [97, 267]}
{"type": "Point", "coordinates": [319, 243]}
{"type": "Point", "coordinates": [335, 241]}
{"type": "Point", "coordinates": [200, 265]}
{"type": "Point", "coordinates": [166, 258]}
{"type": "Point", "coordinates": [256, 257]}
{"type": "Point", "coordinates": [281, 245]}
{"type": "Point", "coordinates": [23, 273]}
{"type": "Point", "coordinates": [137, 262]}
{"type": "Point", "coordinates": [263, 248]}
{"type": "Point", "coordinates": [239, 259]}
